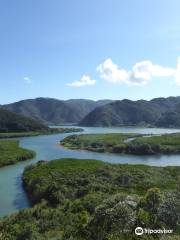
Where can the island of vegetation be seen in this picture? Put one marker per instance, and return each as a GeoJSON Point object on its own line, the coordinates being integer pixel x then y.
{"type": "Point", "coordinates": [125, 143]}
{"type": "Point", "coordinates": [11, 153]}
{"type": "Point", "coordinates": [93, 200]}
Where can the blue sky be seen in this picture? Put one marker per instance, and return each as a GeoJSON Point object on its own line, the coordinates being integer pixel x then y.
{"type": "Point", "coordinates": [98, 49]}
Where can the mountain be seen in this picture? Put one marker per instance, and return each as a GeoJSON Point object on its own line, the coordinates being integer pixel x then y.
{"type": "Point", "coordinates": [53, 111]}
{"type": "Point", "coordinates": [161, 112]}
{"type": "Point", "coordinates": [13, 122]}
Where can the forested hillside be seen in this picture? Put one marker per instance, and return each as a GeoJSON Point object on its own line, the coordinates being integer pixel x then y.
{"type": "Point", "coordinates": [160, 112]}
{"type": "Point", "coordinates": [13, 122]}
{"type": "Point", "coordinates": [53, 111]}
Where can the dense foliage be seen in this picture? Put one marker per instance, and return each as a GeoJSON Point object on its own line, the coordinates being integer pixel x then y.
{"type": "Point", "coordinates": [91, 200]}
{"type": "Point", "coordinates": [53, 111]}
{"type": "Point", "coordinates": [125, 143]}
{"type": "Point", "coordinates": [13, 122]}
{"type": "Point", "coordinates": [11, 153]}
{"type": "Point", "coordinates": [161, 112]}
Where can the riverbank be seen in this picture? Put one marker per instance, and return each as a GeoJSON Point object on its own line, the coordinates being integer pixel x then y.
{"type": "Point", "coordinates": [90, 200]}
{"type": "Point", "coordinates": [11, 153]}
{"type": "Point", "coordinates": [125, 143]}
{"type": "Point", "coordinates": [38, 133]}
{"type": "Point", "coordinates": [14, 198]}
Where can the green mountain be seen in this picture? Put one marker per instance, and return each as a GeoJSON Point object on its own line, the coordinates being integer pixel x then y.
{"type": "Point", "coordinates": [13, 122]}
{"type": "Point", "coordinates": [53, 111]}
{"type": "Point", "coordinates": [161, 112]}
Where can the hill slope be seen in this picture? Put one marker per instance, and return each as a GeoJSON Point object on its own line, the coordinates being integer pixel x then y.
{"type": "Point", "coordinates": [13, 122]}
{"type": "Point", "coordinates": [53, 111]}
{"type": "Point", "coordinates": [161, 112]}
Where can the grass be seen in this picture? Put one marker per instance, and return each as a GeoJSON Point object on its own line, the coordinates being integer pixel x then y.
{"type": "Point", "coordinates": [11, 153]}
{"type": "Point", "coordinates": [18, 134]}
{"type": "Point", "coordinates": [96, 142]}
{"type": "Point", "coordinates": [114, 138]}
{"type": "Point", "coordinates": [118, 143]}
{"type": "Point", "coordinates": [164, 140]}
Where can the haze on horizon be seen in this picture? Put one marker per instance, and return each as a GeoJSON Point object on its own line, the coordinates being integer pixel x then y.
{"type": "Point", "coordinates": [89, 49]}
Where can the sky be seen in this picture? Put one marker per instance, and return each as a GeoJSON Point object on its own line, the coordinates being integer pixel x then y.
{"type": "Point", "coordinates": [98, 49]}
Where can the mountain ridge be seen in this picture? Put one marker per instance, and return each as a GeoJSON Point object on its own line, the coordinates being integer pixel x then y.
{"type": "Point", "coordinates": [54, 111]}
{"type": "Point", "coordinates": [160, 112]}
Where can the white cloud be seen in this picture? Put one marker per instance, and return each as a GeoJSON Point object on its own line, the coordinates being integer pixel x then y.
{"type": "Point", "coordinates": [110, 72]}
{"type": "Point", "coordinates": [160, 71]}
{"type": "Point", "coordinates": [84, 81]}
{"type": "Point", "coordinates": [27, 80]}
{"type": "Point", "coordinates": [141, 73]}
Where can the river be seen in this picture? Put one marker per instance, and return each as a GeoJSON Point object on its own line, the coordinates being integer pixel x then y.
{"type": "Point", "coordinates": [12, 194]}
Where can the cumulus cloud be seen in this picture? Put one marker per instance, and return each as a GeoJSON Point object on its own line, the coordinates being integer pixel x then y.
{"type": "Point", "coordinates": [141, 73]}
{"type": "Point", "coordinates": [111, 72]}
{"type": "Point", "coordinates": [84, 81]}
{"type": "Point", "coordinates": [27, 80]}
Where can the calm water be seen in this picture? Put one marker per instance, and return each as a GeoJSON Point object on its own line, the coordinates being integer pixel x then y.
{"type": "Point", "coordinates": [12, 195]}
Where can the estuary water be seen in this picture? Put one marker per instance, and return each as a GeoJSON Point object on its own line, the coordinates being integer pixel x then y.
{"type": "Point", "coordinates": [12, 194]}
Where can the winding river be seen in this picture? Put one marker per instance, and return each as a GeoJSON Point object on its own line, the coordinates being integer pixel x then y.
{"type": "Point", "coordinates": [12, 195]}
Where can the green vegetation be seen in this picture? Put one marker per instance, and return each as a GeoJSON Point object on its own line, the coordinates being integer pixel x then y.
{"type": "Point", "coordinates": [96, 142]}
{"type": "Point", "coordinates": [65, 130]}
{"type": "Point", "coordinates": [18, 134]}
{"type": "Point", "coordinates": [93, 200]}
{"type": "Point", "coordinates": [159, 112]}
{"type": "Point", "coordinates": [16, 125]}
{"type": "Point", "coordinates": [36, 133]}
{"type": "Point", "coordinates": [11, 153]}
{"type": "Point", "coordinates": [125, 143]}
{"type": "Point", "coordinates": [107, 139]}
{"type": "Point", "coordinates": [167, 142]}
{"type": "Point", "coordinates": [99, 176]}
{"type": "Point", "coordinates": [13, 122]}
